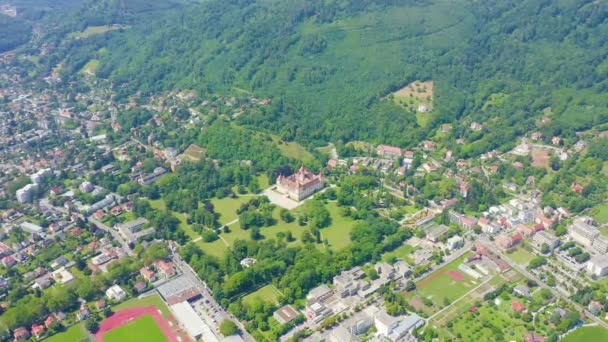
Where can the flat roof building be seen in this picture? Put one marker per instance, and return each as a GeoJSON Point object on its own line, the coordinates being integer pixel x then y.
{"type": "Point", "coordinates": [285, 314]}
{"type": "Point", "coordinates": [195, 327]}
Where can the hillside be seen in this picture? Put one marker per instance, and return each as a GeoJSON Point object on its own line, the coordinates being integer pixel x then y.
{"type": "Point", "coordinates": [329, 66]}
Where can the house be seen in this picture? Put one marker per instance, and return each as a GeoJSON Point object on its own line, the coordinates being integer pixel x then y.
{"type": "Point", "coordinates": [385, 270]}
{"type": "Point", "coordinates": [100, 304]}
{"type": "Point", "coordinates": [429, 145]}
{"type": "Point", "coordinates": [165, 269]}
{"type": "Point", "coordinates": [503, 242]}
{"type": "Point", "coordinates": [475, 126]}
{"type": "Point", "coordinates": [50, 320]}
{"type": "Point", "coordinates": [445, 128]}
{"type": "Point", "coordinates": [82, 314]}
{"type": "Point", "coordinates": [140, 287]}
{"type": "Point", "coordinates": [8, 261]}
{"type": "Point", "coordinates": [577, 188]}
{"type": "Point", "coordinates": [522, 290]}
{"type": "Point", "coordinates": [536, 136]}
{"type": "Point", "coordinates": [37, 330]}
{"type": "Point", "coordinates": [147, 274]}
{"type": "Point", "coordinates": [517, 306]}
{"type": "Point", "coordinates": [301, 184]}
{"type": "Point", "coordinates": [525, 230]}
{"type": "Point", "coordinates": [63, 276]}
{"type": "Point", "coordinates": [595, 307]}
{"type": "Point", "coordinates": [532, 337]}
{"type": "Point", "coordinates": [556, 140]}
{"type": "Point", "coordinates": [116, 293]}
{"type": "Point", "coordinates": [546, 222]}
{"type": "Point", "coordinates": [387, 151]}
{"type": "Point", "coordinates": [20, 334]}
{"type": "Point", "coordinates": [285, 314]}
{"type": "Point", "coordinates": [59, 262]}
{"type": "Point", "coordinates": [248, 262]}
{"type": "Point", "coordinates": [116, 210]}
{"type": "Point", "coordinates": [518, 165]}
{"type": "Point", "coordinates": [455, 242]}
{"type": "Point", "coordinates": [468, 222]}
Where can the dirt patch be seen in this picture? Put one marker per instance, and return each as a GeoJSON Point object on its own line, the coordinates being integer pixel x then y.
{"type": "Point", "coordinates": [540, 158]}
{"type": "Point", "coordinates": [455, 275]}
{"type": "Point", "coordinates": [418, 90]}
{"type": "Point", "coordinates": [417, 303]}
{"type": "Point", "coordinates": [194, 153]}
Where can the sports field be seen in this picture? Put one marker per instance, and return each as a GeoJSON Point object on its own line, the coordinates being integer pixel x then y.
{"type": "Point", "coordinates": [143, 327]}
{"type": "Point", "coordinates": [586, 334]}
{"type": "Point", "coordinates": [266, 293]}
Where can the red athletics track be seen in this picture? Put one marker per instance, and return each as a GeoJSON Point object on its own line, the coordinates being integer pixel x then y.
{"type": "Point", "coordinates": [123, 316]}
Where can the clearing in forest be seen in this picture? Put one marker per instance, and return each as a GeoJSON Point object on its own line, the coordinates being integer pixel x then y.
{"type": "Point", "coordinates": [417, 95]}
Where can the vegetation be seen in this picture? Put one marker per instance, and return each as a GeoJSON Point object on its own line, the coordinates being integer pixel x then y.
{"type": "Point", "coordinates": [228, 328]}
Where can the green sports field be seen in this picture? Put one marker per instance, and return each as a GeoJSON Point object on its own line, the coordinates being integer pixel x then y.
{"type": "Point", "coordinates": [143, 327]}
{"type": "Point", "coordinates": [587, 334]}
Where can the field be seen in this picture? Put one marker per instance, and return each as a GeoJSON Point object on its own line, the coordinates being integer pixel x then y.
{"type": "Point", "coordinates": [434, 287]}
{"type": "Point", "coordinates": [91, 67]}
{"type": "Point", "coordinates": [521, 256]}
{"type": "Point", "coordinates": [338, 234]}
{"type": "Point", "coordinates": [194, 153]}
{"type": "Point", "coordinates": [94, 30]}
{"type": "Point", "coordinates": [158, 204]}
{"type": "Point", "coordinates": [422, 91]}
{"type": "Point", "coordinates": [136, 329]}
{"type": "Point", "coordinates": [75, 333]}
{"type": "Point", "coordinates": [266, 293]}
{"type": "Point", "coordinates": [152, 300]}
{"type": "Point", "coordinates": [293, 150]}
{"type": "Point", "coordinates": [403, 252]}
{"type": "Point", "coordinates": [227, 207]}
{"type": "Point", "coordinates": [600, 214]}
{"type": "Point", "coordinates": [585, 334]}
{"type": "Point", "coordinates": [540, 158]}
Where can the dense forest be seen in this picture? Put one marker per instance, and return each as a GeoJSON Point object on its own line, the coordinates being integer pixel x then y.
{"type": "Point", "coordinates": [330, 65]}
{"type": "Point", "coordinates": [13, 32]}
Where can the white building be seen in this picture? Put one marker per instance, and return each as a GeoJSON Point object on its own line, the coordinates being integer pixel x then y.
{"type": "Point", "coordinates": [582, 231]}
{"type": "Point", "coordinates": [544, 237]}
{"type": "Point", "coordinates": [41, 175]}
{"type": "Point", "coordinates": [598, 266]}
{"type": "Point", "coordinates": [384, 322]}
{"type": "Point", "coordinates": [63, 276]}
{"type": "Point", "coordinates": [116, 293]}
{"type": "Point", "coordinates": [196, 328]}
{"type": "Point", "coordinates": [31, 228]}
{"type": "Point", "coordinates": [26, 194]}
{"type": "Point", "coordinates": [600, 244]}
{"type": "Point", "coordinates": [455, 242]}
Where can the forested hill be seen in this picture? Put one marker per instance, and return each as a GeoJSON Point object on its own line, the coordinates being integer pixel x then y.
{"type": "Point", "coordinates": [329, 65]}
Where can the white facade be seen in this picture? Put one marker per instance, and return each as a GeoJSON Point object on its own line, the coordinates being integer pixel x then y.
{"type": "Point", "coordinates": [598, 266]}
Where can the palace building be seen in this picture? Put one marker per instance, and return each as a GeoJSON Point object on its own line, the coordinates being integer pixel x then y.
{"type": "Point", "coordinates": [301, 184]}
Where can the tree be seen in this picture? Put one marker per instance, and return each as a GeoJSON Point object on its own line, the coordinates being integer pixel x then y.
{"type": "Point", "coordinates": [410, 286]}
{"type": "Point", "coordinates": [91, 325]}
{"type": "Point", "coordinates": [228, 328]}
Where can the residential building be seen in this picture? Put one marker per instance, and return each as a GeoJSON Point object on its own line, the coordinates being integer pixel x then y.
{"type": "Point", "coordinates": [134, 230]}
{"type": "Point", "coordinates": [165, 269]}
{"type": "Point", "coordinates": [341, 334]}
{"type": "Point", "coordinates": [317, 311]}
{"type": "Point", "coordinates": [116, 293]}
{"type": "Point", "coordinates": [522, 290]}
{"type": "Point", "coordinates": [63, 276]}
{"type": "Point", "coordinates": [544, 237]}
{"type": "Point", "coordinates": [387, 151]}
{"type": "Point", "coordinates": [600, 244]}
{"type": "Point", "coordinates": [384, 322]}
{"type": "Point", "coordinates": [598, 266]}
{"type": "Point", "coordinates": [31, 228]}
{"type": "Point", "coordinates": [147, 274]}
{"type": "Point", "coordinates": [301, 184]}
{"type": "Point", "coordinates": [345, 285]}
{"type": "Point", "coordinates": [285, 314]}
{"type": "Point", "coordinates": [20, 334]}
{"type": "Point", "coordinates": [582, 231]}
{"type": "Point", "coordinates": [26, 194]}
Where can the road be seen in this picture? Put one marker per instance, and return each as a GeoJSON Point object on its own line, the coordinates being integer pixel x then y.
{"type": "Point", "coordinates": [206, 292]}
{"type": "Point", "coordinates": [529, 275]}
{"type": "Point", "coordinates": [114, 234]}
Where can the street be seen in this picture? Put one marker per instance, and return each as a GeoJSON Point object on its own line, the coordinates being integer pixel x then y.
{"type": "Point", "coordinates": [114, 234]}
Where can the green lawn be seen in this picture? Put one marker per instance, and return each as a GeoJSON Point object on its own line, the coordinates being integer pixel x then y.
{"type": "Point", "coordinates": [403, 252]}
{"type": "Point", "coordinates": [266, 293]}
{"type": "Point", "coordinates": [587, 334]}
{"type": "Point", "coordinates": [158, 204]}
{"type": "Point", "coordinates": [293, 150]}
{"type": "Point", "coordinates": [338, 234]}
{"type": "Point", "coordinates": [75, 333]}
{"type": "Point", "coordinates": [521, 256]}
{"type": "Point", "coordinates": [142, 327]}
{"type": "Point", "coordinates": [215, 248]}
{"type": "Point", "coordinates": [227, 207]}
{"type": "Point", "coordinates": [600, 214]}
{"type": "Point", "coordinates": [187, 228]}
{"type": "Point", "coordinates": [152, 300]}
{"type": "Point", "coordinates": [91, 67]}
{"type": "Point", "coordinates": [93, 30]}
{"type": "Point", "coordinates": [127, 216]}
{"type": "Point", "coordinates": [263, 181]}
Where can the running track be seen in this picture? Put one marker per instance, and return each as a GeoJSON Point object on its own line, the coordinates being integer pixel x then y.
{"type": "Point", "coordinates": [121, 317]}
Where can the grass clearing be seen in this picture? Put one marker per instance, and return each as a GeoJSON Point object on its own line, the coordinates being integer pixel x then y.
{"type": "Point", "coordinates": [158, 204]}
{"type": "Point", "coordinates": [265, 293]}
{"type": "Point", "coordinates": [293, 150]}
{"type": "Point", "coordinates": [227, 207]}
{"type": "Point", "coordinates": [403, 253]}
{"type": "Point", "coordinates": [586, 334]}
{"type": "Point", "coordinates": [152, 300]}
{"type": "Point", "coordinates": [183, 224]}
{"type": "Point", "coordinates": [91, 67]}
{"type": "Point", "coordinates": [215, 248]}
{"type": "Point", "coordinates": [521, 256]}
{"type": "Point", "coordinates": [75, 333]}
{"type": "Point", "coordinates": [338, 234]}
{"type": "Point", "coordinates": [600, 214]}
{"type": "Point", "coordinates": [136, 329]}
{"type": "Point", "coordinates": [94, 30]}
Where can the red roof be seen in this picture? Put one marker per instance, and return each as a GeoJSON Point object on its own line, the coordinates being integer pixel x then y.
{"type": "Point", "coordinates": [389, 149]}
{"type": "Point", "coordinates": [474, 309]}
{"type": "Point", "coordinates": [37, 329]}
{"type": "Point", "coordinates": [517, 306]}
{"type": "Point", "coordinates": [50, 320]}
{"type": "Point", "coordinates": [516, 237]}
